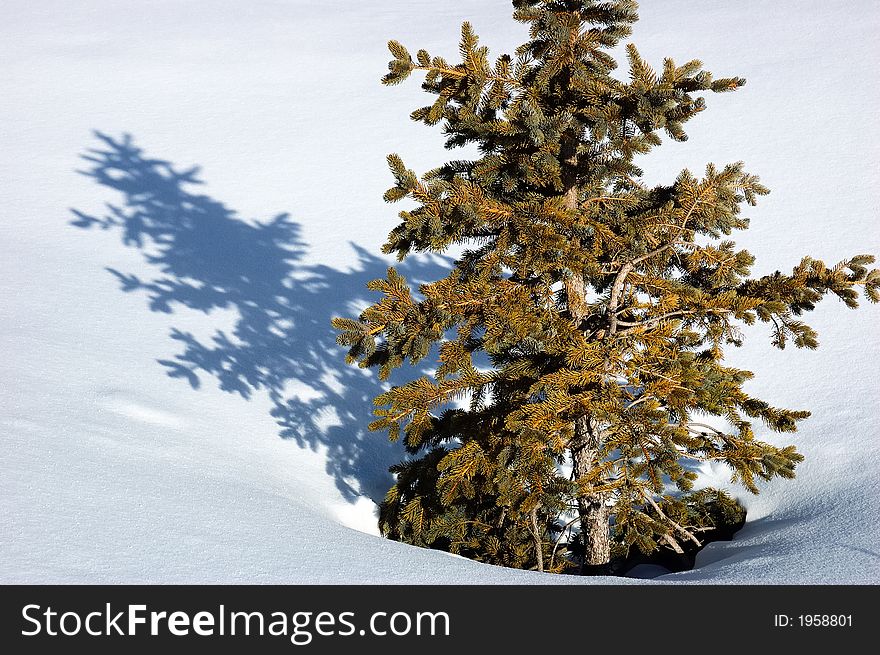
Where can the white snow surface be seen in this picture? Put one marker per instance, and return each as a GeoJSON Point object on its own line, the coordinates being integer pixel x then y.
{"type": "Point", "coordinates": [253, 464]}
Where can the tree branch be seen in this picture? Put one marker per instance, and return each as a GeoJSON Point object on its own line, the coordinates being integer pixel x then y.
{"type": "Point", "coordinates": [536, 535]}
{"type": "Point", "coordinates": [685, 532]}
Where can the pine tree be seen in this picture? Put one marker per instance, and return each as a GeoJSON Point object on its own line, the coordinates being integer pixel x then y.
{"type": "Point", "coordinates": [602, 305]}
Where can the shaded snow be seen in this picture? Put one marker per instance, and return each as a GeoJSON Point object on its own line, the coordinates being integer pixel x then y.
{"type": "Point", "coordinates": [252, 464]}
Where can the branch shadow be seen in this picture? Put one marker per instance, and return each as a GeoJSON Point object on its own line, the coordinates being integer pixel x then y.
{"type": "Point", "coordinates": [206, 258]}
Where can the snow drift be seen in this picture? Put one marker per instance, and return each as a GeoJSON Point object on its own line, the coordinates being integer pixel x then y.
{"type": "Point", "coordinates": [174, 407]}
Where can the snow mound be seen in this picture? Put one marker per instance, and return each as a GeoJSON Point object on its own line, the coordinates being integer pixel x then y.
{"type": "Point", "coordinates": [174, 407]}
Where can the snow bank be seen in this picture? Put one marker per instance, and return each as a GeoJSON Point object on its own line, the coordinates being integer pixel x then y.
{"type": "Point", "coordinates": [250, 463]}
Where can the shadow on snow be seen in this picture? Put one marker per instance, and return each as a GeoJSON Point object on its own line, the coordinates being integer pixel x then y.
{"type": "Point", "coordinates": [207, 258]}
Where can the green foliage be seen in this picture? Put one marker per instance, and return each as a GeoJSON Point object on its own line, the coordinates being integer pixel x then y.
{"type": "Point", "coordinates": [598, 301]}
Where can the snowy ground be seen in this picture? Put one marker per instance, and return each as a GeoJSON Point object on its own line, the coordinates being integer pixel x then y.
{"type": "Point", "coordinates": [250, 463]}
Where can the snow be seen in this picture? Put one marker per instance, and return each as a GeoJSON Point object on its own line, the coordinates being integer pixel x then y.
{"type": "Point", "coordinates": [253, 464]}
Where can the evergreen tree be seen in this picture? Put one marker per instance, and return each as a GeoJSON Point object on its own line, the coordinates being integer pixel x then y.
{"type": "Point", "coordinates": [604, 306]}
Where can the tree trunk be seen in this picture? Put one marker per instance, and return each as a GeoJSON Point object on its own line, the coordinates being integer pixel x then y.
{"type": "Point", "coordinates": [584, 448]}
{"type": "Point", "coordinates": [595, 529]}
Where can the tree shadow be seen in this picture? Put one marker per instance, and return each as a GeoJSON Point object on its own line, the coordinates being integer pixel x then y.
{"type": "Point", "coordinates": [207, 258]}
